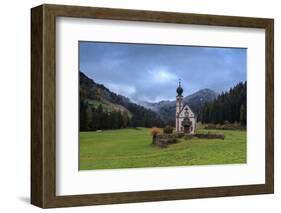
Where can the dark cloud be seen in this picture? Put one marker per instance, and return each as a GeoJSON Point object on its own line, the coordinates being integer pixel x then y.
{"type": "Point", "coordinates": [151, 72]}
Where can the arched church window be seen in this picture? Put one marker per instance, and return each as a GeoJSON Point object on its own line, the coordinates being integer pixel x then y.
{"type": "Point", "coordinates": [186, 113]}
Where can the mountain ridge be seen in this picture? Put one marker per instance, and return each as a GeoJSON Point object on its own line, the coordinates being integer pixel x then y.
{"type": "Point", "coordinates": [167, 109]}
{"type": "Point", "coordinates": [186, 98]}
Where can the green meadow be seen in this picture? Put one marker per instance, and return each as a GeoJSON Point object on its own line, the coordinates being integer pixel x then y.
{"type": "Point", "coordinates": [132, 148]}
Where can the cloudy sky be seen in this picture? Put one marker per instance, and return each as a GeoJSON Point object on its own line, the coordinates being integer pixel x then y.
{"type": "Point", "coordinates": [151, 72]}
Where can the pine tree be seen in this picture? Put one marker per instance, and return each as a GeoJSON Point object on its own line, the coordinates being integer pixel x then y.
{"type": "Point", "coordinates": [228, 106]}
{"type": "Point", "coordinates": [82, 116]}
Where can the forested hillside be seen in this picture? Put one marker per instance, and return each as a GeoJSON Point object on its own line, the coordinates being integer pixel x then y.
{"type": "Point", "coordinates": [230, 106]}
{"type": "Point", "coordinates": [102, 109]}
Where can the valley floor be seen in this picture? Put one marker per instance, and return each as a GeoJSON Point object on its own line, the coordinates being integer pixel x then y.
{"type": "Point", "coordinates": [132, 148]}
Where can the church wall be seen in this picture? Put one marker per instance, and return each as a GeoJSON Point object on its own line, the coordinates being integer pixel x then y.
{"type": "Point", "coordinates": [191, 117]}
{"type": "Point", "coordinates": [193, 120]}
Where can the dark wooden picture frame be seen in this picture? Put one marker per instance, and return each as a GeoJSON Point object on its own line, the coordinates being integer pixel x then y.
{"type": "Point", "coordinates": [43, 105]}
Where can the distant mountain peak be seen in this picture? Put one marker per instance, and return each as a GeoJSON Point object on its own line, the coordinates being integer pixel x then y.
{"type": "Point", "coordinates": [203, 91]}
{"type": "Point", "coordinates": [166, 109]}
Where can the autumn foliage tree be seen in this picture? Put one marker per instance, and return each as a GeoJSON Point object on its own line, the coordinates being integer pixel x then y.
{"type": "Point", "coordinates": [154, 132]}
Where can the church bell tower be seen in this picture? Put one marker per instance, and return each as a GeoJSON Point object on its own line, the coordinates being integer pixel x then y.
{"type": "Point", "coordinates": [179, 105]}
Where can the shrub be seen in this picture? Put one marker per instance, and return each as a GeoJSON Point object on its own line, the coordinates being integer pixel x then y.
{"type": "Point", "coordinates": [226, 122]}
{"type": "Point", "coordinates": [154, 131]}
{"type": "Point", "coordinates": [168, 130]}
{"type": "Point", "coordinates": [226, 126]}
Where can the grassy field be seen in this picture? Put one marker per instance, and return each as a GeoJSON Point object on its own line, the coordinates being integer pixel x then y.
{"type": "Point", "coordinates": [130, 148]}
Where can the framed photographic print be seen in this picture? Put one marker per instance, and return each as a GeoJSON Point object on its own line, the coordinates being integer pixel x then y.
{"type": "Point", "coordinates": [137, 106]}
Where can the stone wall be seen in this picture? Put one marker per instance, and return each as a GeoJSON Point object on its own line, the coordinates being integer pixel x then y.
{"type": "Point", "coordinates": [163, 140]}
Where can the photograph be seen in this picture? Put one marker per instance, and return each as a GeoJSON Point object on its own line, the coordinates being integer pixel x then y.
{"type": "Point", "coordinates": [155, 105]}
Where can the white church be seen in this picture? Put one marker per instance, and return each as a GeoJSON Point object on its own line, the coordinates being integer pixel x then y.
{"type": "Point", "coordinates": [185, 118]}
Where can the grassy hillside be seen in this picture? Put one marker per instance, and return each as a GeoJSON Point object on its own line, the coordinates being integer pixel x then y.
{"type": "Point", "coordinates": [107, 106]}
{"type": "Point", "coordinates": [130, 148]}
{"type": "Point", "coordinates": [100, 108]}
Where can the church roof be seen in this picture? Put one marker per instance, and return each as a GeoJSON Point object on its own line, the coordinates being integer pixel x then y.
{"type": "Point", "coordinates": [188, 109]}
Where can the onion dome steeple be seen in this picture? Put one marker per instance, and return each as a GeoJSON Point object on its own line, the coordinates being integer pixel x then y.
{"type": "Point", "coordinates": [179, 89]}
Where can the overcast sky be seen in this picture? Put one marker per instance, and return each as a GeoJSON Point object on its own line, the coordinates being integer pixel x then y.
{"type": "Point", "coordinates": [151, 72]}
